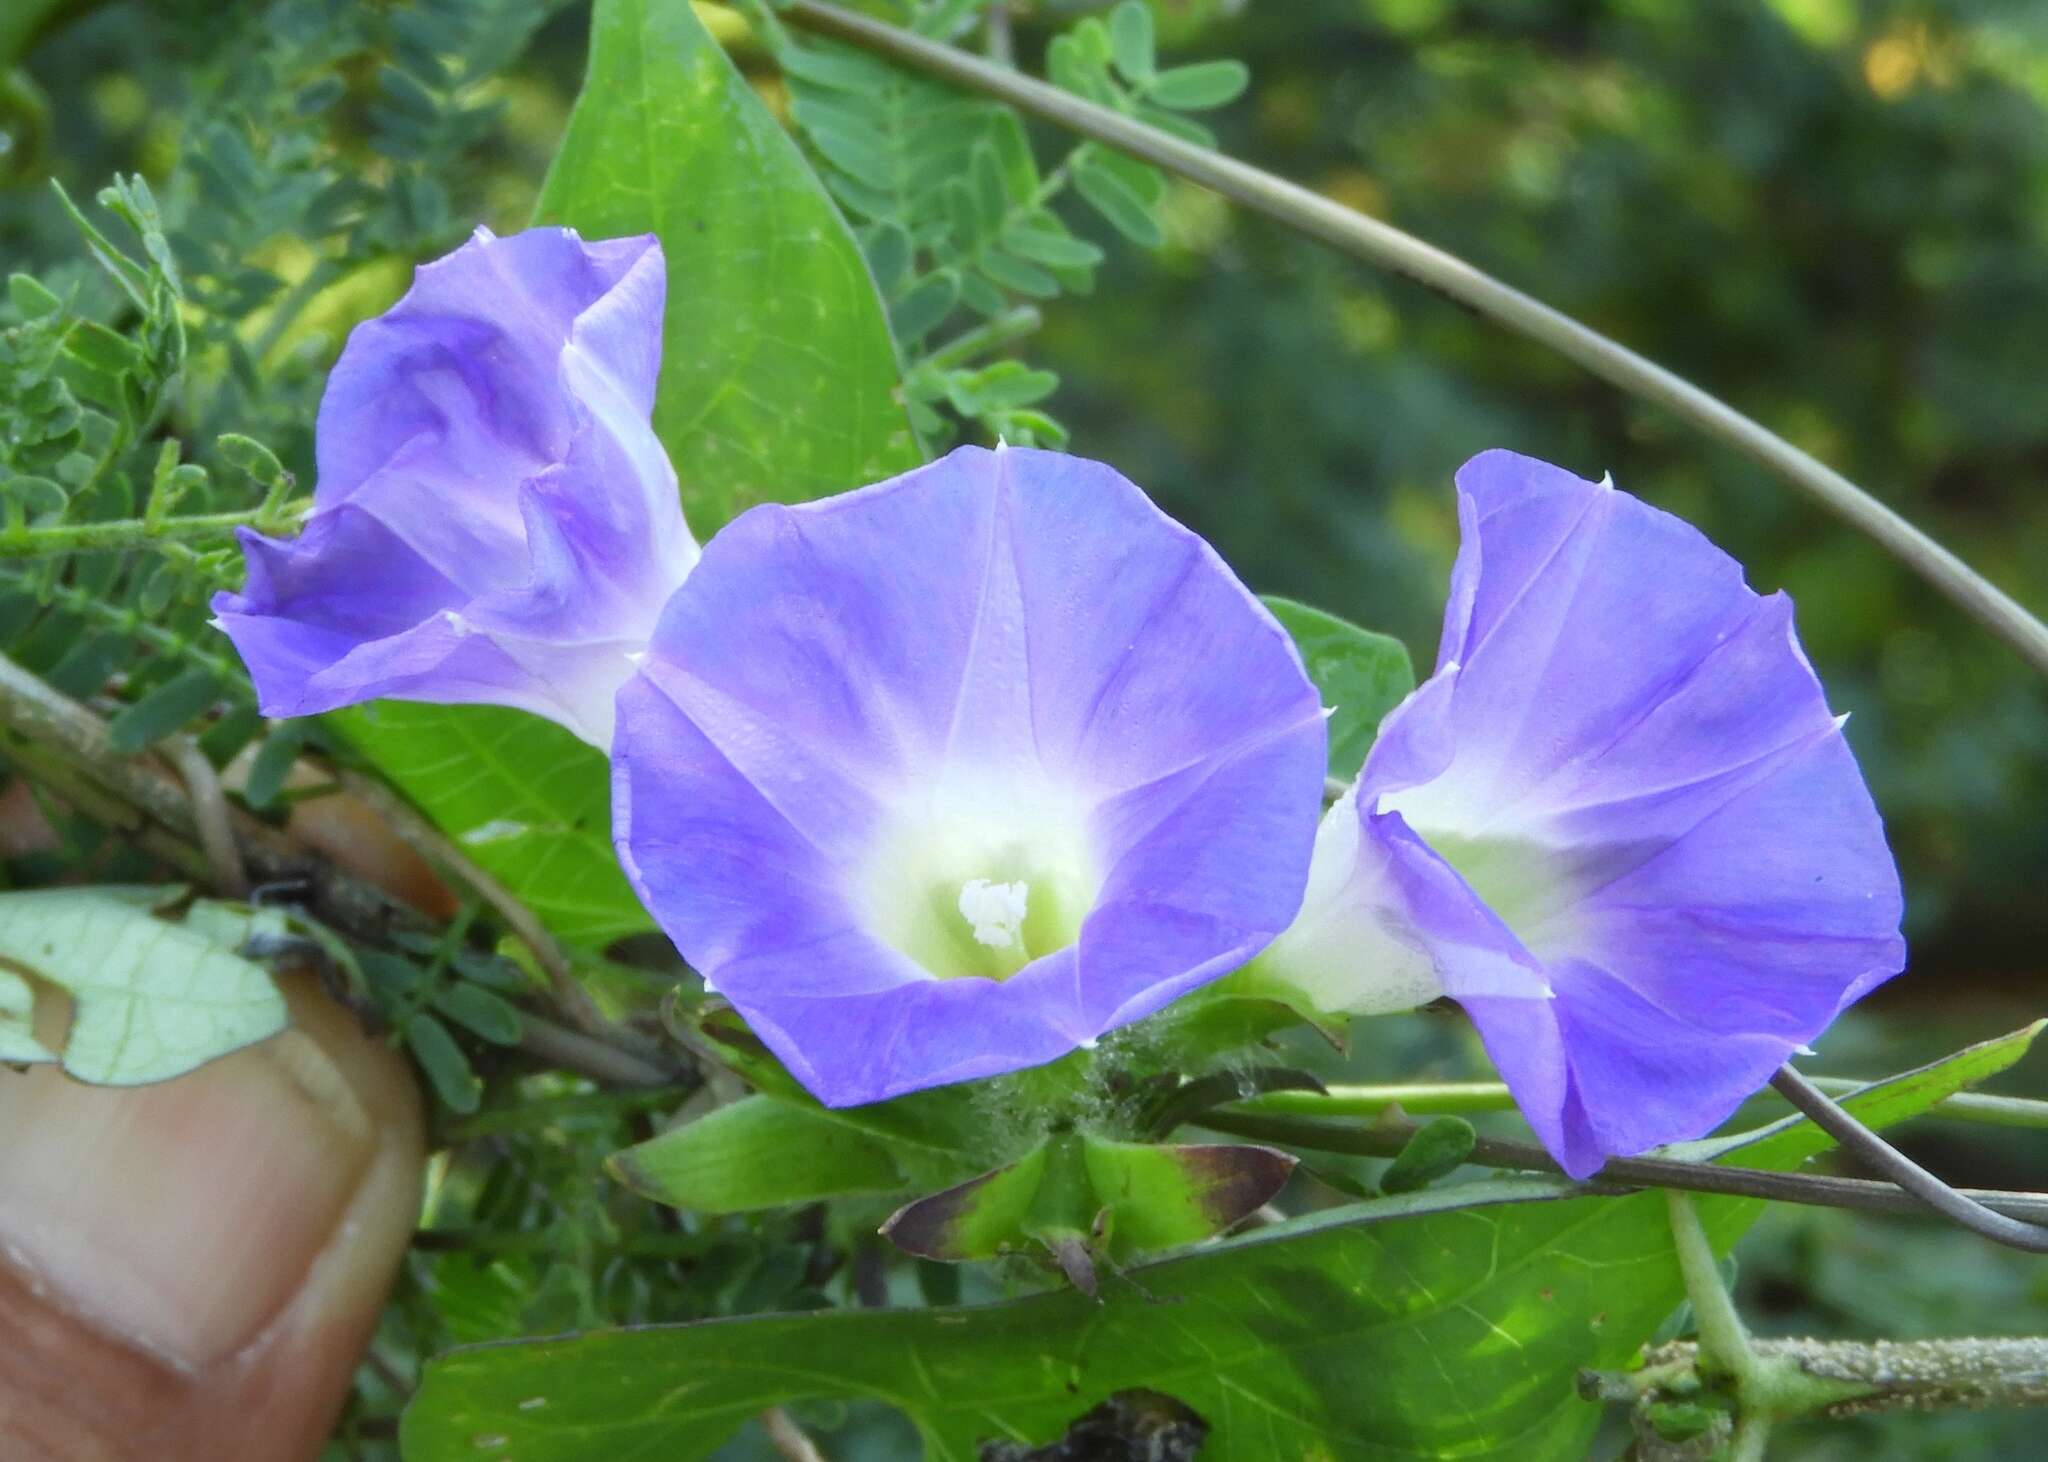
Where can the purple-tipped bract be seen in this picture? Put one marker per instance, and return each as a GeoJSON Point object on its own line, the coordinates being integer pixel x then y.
{"type": "Point", "coordinates": [949, 776]}
{"type": "Point", "coordinates": [1619, 825]}
{"type": "Point", "coordinates": [494, 518]}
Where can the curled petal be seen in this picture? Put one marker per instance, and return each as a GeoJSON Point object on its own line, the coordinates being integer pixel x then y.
{"type": "Point", "coordinates": [948, 776]}
{"type": "Point", "coordinates": [1625, 761]}
{"type": "Point", "coordinates": [494, 518]}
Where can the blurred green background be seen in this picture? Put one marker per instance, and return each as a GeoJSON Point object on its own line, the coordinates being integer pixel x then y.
{"type": "Point", "coordinates": [1832, 213]}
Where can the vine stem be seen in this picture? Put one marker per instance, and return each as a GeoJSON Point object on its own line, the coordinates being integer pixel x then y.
{"type": "Point", "coordinates": [1956, 1207]}
{"type": "Point", "coordinates": [601, 1059]}
{"type": "Point", "coordinates": [990, 335]}
{"type": "Point", "coordinates": [42, 540]}
{"type": "Point", "coordinates": [1752, 1435]}
{"type": "Point", "coordinates": [1855, 1377]}
{"type": "Point", "coordinates": [1451, 1098]}
{"type": "Point", "coordinates": [1384, 246]}
{"type": "Point", "coordinates": [1767, 1385]}
{"type": "Point", "coordinates": [1386, 1137]}
{"type": "Point", "coordinates": [1724, 1340]}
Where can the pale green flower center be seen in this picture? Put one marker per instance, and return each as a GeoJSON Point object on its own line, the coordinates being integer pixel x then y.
{"type": "Point", "coordinates": [1532, 886]}
{"type": "Point", "coordinates": [980, 879]}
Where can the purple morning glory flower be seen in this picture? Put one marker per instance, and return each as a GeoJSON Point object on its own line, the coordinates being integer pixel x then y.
{"type": "Point", "coordinates": [1619, 825]}
{"type": "Point", "coordinates": [494, 520]}
{"type": "Point", "coordinates": [951, 775]}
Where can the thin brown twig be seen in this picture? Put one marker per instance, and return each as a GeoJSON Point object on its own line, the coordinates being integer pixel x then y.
{"type": "Point", "coordinates": [604, 1061]}
{"type": "Point", "coordinates": [66, 746]}
{"type": "Point", "coordinates": [788, 1438]}
{"type": "Point", "coordinates": [437, 848]}
{"type": "Point", "coordinates": [210, 815]}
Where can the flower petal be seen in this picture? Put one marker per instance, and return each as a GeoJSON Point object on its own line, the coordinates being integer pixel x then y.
{"type": "Point", "coordinates": [1010, 642]}
{"type": "Point", "coordinates": [494, 519]}
{"type": "Point", "coordinates": [1623, 779]}
{"type": "Point", "coordinates": [1636, 716]}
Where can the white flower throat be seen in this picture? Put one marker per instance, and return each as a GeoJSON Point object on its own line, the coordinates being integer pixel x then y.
{"type": "Point", "coordinates": [979, 876]}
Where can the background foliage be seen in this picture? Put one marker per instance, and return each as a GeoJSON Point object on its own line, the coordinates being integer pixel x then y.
{"type": "Point", "coordinates": [1833, 213]}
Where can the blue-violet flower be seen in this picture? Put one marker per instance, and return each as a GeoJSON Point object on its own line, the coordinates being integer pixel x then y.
{"type": "Point", "coordinates": [948, 776]}
{"type": "Point", "coordinates": [494, 518]}
{"type": "Point", "coordinates": [1618, 825]}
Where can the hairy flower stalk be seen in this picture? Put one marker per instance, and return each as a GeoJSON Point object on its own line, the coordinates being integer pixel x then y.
{"type": "Point", "coordinates": [1618, 825]}
{"type": "Point", "coordinates": [494, 519]}
{"type": "Point", "coordinates": [948, 776]}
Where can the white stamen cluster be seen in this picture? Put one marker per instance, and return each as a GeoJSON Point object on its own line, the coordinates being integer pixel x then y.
{"type": "Point", "coordinates": [995, 910]}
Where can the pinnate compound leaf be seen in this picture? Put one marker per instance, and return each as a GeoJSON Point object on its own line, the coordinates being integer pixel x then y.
{"type": "Point", "coordinates": [1131, 39]}
{"type": "Point", "coordinates": [778, 382]}
{"type": "Point", "coordinates": [1187, 129]}
{"type": "Point", "coordinates": [1110, 193]}
{"type": "Point", "coordinates": [924, 304]}
{"type": "Point", "coordinates": [1362, 675]}
{"type": "Point", "coordinates": [152, 999]}
{"type": "Point", "coordinates": [447, 1070]}
{"type": "Point", "coordinates": [1444, 1323]}
{"type": "Point", "coordinates": [1049, 246]}
{"type": "Point", "coordinates": [163, 710]}
{"type": "Point", "coordinates": [483, 1013]}
{"type": "Point", "coordinates": [272, 764]}
{"type": "Point", "coordinates": [1020, 276]}
{"type": "Point", "coordinates": [1198, 87]}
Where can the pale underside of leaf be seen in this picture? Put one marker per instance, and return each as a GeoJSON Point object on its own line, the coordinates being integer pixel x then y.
{"type": "Point", "coordinates": [151, 999]}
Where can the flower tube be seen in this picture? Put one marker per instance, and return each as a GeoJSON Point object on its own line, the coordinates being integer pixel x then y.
{"type": "Point", "coordinates": [951, 775]}
{"type": "Point", "coordinates": [494, 518]}
{"type": "Point", "coordinates": [1618, 825]}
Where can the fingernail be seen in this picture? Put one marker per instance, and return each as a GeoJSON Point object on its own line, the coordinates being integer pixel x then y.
{"type": "Point", "coordinates": [181, 1218]}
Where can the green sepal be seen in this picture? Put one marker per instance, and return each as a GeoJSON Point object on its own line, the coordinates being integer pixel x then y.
{"type": "Point", "coordinates": [1163, 1197]}
{"type": "Point", "coordinates": [936, 1137]}
{"type": "Point", "coordinates": [1235, 1014]}
{"type": "Point", "coordinates": [1252, 988]}
{"type": "Point", "coordinates": [759, 1152]}
{"type": "Point", "coordinates": [1111, 1199]}
{"type": "Point", "coordinates": [982, 1218]}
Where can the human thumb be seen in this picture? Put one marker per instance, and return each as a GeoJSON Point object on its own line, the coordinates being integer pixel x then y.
{"type": "Point", "coordinates": [193, 1270]}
